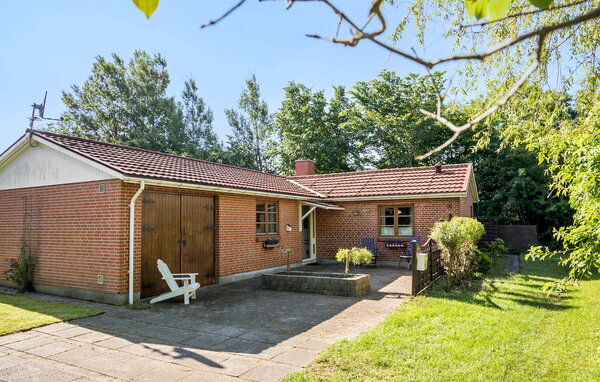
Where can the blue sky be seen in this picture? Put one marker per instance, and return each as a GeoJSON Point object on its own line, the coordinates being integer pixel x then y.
{"type": "Point", "coordinates": [50, 45]}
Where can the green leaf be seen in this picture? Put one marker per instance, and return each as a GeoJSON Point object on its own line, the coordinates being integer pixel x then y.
{"type": "Point", "coordinates": [543, 4]}
{"type": "Point", "coordinates": [493, 9]}
{"type": "Point", "coordinates": [146, 6]}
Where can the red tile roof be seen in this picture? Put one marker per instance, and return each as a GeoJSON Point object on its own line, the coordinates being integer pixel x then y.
{"type": "Point", "coordinates": [454, 178]}
{"type": "Point", "coordinates": [140, 163]}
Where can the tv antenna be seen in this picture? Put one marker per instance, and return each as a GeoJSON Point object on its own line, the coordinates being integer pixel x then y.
{"type": "Point", "coordinates": [40, 108]}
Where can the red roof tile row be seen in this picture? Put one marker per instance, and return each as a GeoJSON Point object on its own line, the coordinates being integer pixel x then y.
{"type": "Point", "coordinates": [135, 162]}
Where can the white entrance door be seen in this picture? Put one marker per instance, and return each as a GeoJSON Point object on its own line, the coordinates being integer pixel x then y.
{"type": "Point", "coordinates": [309, 237]}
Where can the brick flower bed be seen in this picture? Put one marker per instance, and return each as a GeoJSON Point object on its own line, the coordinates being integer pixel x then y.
{"type": "Point", "coordinates": [317, 282]}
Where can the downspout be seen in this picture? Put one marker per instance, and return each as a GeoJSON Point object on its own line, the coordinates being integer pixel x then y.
{"type": "Point", "coordinates": [132, 237]}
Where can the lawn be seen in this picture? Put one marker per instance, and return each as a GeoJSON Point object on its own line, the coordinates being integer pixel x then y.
{"type": "Point", "coordinates": [508, 331]}
{"type": "Point", "coordinates": [18, 312]}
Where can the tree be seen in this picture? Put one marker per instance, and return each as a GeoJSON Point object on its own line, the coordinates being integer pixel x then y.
{"type": "Point", "coordinates": [203, 142]}
{"type": "Point", "coordinates": [252, 130]}
{"type": "Point", "coordinates": [385, 117]}
{"type": "Point", "coordinates": [310, 127]}
{"type": "Point", "coordinates": [127, 104]}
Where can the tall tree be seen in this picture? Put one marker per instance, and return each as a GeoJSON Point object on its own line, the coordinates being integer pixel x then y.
{"type": "Point", "coordinates": [309, 127]}
{"type": "Point", "coordinates": [252, 136]}
{"type": "Point", "coordinates": [202, 141]}
{"type": "Point", "coordinates": [126, 104]}
{"type": "Point", "coordinates": [386, 117]}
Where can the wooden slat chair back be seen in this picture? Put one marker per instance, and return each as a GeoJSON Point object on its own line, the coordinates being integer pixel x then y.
{"type": "Point", "coordinates": [369, 243]}
{"type": "Point", "coordinates": [409, 252]}
{"type": "Point", "coordinates": [187, 290]}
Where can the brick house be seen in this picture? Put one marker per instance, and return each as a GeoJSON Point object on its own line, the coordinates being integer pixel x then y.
{"type": "Point", "coordinates": [93, 211]}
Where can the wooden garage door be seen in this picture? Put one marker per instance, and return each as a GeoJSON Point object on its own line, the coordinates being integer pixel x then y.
{"type": "Point", "coordinates": [178, 229]}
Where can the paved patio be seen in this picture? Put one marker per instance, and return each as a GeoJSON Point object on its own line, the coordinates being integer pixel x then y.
{"type": "Point", "coordinates": [235, 331]}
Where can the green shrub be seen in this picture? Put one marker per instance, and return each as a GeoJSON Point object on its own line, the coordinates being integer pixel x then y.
{"type": "Point", "coordinates": [483, 261]}
{"type": "Point", "coordinates": [496, 248]}
{"type": "Point", "coordinates": [21, 269]}
{"type": "Point", "coordinates": [457, 238]}
{"type": "Point", "coordinates": [355, 256]}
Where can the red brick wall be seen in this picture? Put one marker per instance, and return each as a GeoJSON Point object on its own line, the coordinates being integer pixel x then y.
{"type": "Point", "coordinates": [82, 234]}
{"type": "Point", "coordinates": [466, 205]}
{"type": "Point", "coordinates": [342, 229]}
{"type": "Point", "coordinates": [237, 247]}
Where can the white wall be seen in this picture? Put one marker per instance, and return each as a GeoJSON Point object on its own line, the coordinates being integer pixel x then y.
{"type": "Point", "coordinates": [43, 166]}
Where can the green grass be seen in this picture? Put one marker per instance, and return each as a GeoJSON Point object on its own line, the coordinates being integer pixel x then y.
{"type": "Point", "coordinates": [18, 313]}
{"type": "Point", "coordinates": [508, 331]}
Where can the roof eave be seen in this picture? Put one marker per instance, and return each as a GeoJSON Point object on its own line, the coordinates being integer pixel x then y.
{"type": "Point", "coordinates": [203, 187]}
{"type": "Point", "coordinates": [397, 197]}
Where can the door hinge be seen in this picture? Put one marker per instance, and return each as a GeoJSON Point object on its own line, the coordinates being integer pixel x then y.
{"type": "Point", "coordinates": [144, 201]}
{"type": "Point", "coordinates": [147, 286]}
{"type": "Point", "coordinates": [209, 228]}
{"type": "Point", "coordinates": [209, 275]}
{"type": "Point", "coordinates": [147, 229]}
{"type": "Point", "coordinates": [181, 242]}
{"type": "Point", "coordinates": [209, 207]}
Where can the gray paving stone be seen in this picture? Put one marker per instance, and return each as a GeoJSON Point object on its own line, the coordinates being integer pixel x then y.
{"type": "Point", "coordinates": [297, 356]}
{"type": "Point", "coordinates": [18, 372]}
{"type": "Point", "coordinates": [267, 371]}
{"type": "Point", "coordinates": [267, 352]}
{"type": "Point", "coordinates": [205, 341]}
{"type": "Point", "coordinates": [71, 332]}
{"type": "Point", "coordinates": [208, 376]}
{"type": "Point", "coordinates": [234, 345]}
{"type": "Point", "coordinates": [30, 343]}
{"type": "Point", "coordinates": [20, 336]}
{"type": "Point", "coordinates": [92, 337]}
{"type": "Point", "coordinates": [234, 366]}
{"type": "Point", "coordinates": [77, 355]}
{"type": "Point", "coordinates": [165, 372]}
{"type": "Point", "coordinates": [54, 327]}
{"type": "Point", "coordinates": [51, 349]}
{"type": "Point", "coordinates": [113, 343]}
{"type": "Point", "coordinates": [231, 331]}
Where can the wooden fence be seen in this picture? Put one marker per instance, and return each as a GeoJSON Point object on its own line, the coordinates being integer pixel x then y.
{"type": "Point", "coordinates": [422, 279]}
{"type": "Point", "coordinates": [517, 237]}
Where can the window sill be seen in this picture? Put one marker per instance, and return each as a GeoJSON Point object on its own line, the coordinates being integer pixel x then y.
{"type": "Point", "coordinates": [261, 238]}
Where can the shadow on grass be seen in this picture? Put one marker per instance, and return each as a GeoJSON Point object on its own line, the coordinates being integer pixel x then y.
{"type": "Point", "coordinates": [523, 289]}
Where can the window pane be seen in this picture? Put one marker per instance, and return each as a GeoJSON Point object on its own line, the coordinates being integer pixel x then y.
{"type": "Point", "coordinates": [406, 211]}
{"type": "Point", "coordinates": [387, 212]}
{"type": "Point", "coordinates": [404, 230]}
{"type": "Point", "coordinates": [272, 218]}
{"type": "Point", "coordinates": [272, 207]}
{"type": "Point", "coordinates": [272, 228]}
{"type": "Point", "coordinates": [260, 207]}
{"type": "Point", "coordinates": [260, 228]}
{"type": "Point", "coordinates": [387, 231]}
{"type": "Point", "coordinates": [404, 220]}
{"type": "Point", "coordinates": [387, 221]}
{"type": "Point", "coordinates": [260, 217]}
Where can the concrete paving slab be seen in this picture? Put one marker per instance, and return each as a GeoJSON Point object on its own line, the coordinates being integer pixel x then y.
{"type": "Point", "coordinates": [267, 371]}
{"type": "Point", "coordinates": [54, 327]}
{"type": "Point", "coordinates": [297, 356]}
{"type": "Point", "coordinates": [71, 332]}
{"type": "Point", "coordinates": [30, 343]}
{"type": "Point", "coordinates": [15, 337]}
{"type": "Point", "coordinates": [91, 337]}
{"type": "Point", "coordinates": [51, 349]}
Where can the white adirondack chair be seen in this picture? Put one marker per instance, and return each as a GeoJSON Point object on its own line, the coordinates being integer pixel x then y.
{"type": "Point", "coordinates": [187, 290]}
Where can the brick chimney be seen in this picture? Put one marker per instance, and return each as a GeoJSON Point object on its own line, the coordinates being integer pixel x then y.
{"type": "Point", "coordinates": [438, 168]}
{"type": "Point", "coordinates": [305, 167]}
